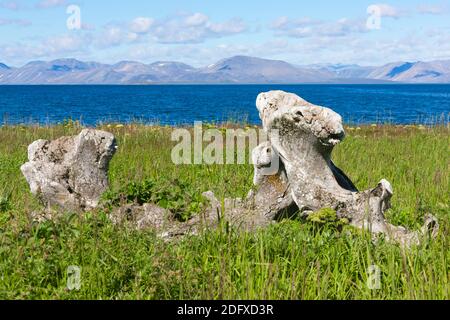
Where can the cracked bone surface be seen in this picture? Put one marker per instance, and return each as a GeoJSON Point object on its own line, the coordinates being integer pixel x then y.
{"type": "Point", "coordinates": [304, 136]}
{"type": "Point", "coordinates": [272, 194]}
{"type": "Point", "coordinates": [70, 173]}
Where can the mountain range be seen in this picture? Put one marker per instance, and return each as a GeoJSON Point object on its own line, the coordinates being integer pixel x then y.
{"type": "Point", "coordinates": [238, 69]}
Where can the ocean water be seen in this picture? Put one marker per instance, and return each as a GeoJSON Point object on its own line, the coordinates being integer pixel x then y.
{"type": "Point", "coordinates": [184, 104]}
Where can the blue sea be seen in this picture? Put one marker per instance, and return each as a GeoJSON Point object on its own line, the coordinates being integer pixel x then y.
{"type": "Point", "coordinates": [184, 104]}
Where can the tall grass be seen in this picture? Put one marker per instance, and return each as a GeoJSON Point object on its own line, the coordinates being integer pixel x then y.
{"type": "Point", "coordinates": [290, 260]}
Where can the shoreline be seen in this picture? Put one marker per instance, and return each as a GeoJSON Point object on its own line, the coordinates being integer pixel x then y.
{"type": "Point", "coordinates": [219, 125]}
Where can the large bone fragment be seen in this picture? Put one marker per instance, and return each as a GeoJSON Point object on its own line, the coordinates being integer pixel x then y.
{"type": "Point", "coordinates": [304, 135]}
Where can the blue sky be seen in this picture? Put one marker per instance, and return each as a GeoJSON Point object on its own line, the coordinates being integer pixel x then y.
{"type": "Point", "coordinates": [200, 32]}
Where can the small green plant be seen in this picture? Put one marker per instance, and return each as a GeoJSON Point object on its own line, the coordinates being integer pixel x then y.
{"type": "Point", "coordinates": [5, 203]}
{"type": "Point", "coordinates": [70, 123]}
{"type": "Point", "coordinates": [327, 216]}
{"type": "Point", "coordinates": [177, 196]}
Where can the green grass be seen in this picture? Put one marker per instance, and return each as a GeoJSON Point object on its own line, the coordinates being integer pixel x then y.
{"type": "Point", "coordinates": [290, 260]}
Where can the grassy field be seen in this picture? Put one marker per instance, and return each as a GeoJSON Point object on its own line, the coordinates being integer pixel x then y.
{"type": "Point", "coordinates": [290, 260]}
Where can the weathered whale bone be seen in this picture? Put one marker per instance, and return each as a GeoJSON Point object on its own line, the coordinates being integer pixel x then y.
{"type": "Point", "coordinates": [70, 173]}
{"type": "Point", "coordinates": [304, 136]}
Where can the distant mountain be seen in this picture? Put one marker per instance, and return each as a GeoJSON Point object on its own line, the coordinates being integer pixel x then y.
{"type": "Point", "coordinates": [3, 70]}
{"type": "Point", "coordinates": [167, 71]}
{"type": "Point", "coordinates": [414, 72]}
{"type": "Point", "coordinates": [242, 69]}
{"type": "Point", "coordinates": [171, 68]}
{"type": "Point", "coordinates": [238, 69]}
{"type": "Point", "coordinates": [344, 71]}
{"type": "Point", "coordinates": [53, 72]}
{"type": "Point", "coordinates": [4, 66]}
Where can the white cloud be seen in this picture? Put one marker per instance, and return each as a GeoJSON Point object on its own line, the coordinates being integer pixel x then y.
{"type": "Point", "coordinates": [194, 28]}
{"type": "Point", "coordinates": [115, 35]}
{"type": "Point", "coordinates": [45, 4]}
{"type": "Point", "coordinates": [306, 27]}
{"type": "Point", "coordinates": [11, 5]}
{"type": "Point", "coordinates": [389, 11]}
{"type": "Point", "coordinates": [432, 9]}
{"type": "Point", "coordinates": [87, 26]}
{"type": "Point", "coordinates": [17, 22]}
{"type": "Point", "coordinates": [48, 48]}
{"type": "Point", "coordinates": [179, 29]}
{"type": "Point", "coordinates": [196, 19]}
{"type": "Point", "coordinates": [284, 23]}
{"type": "Point", "coordinates": [141, 24]}
{"type": "Point", "coordinates": [64, 44]}
{"type": "Point", "coordinates": [230, 27]}
{"type": "Point", "coordinates": [41, 4]}
{"type": "Point", "coordinates": [279, 22]}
